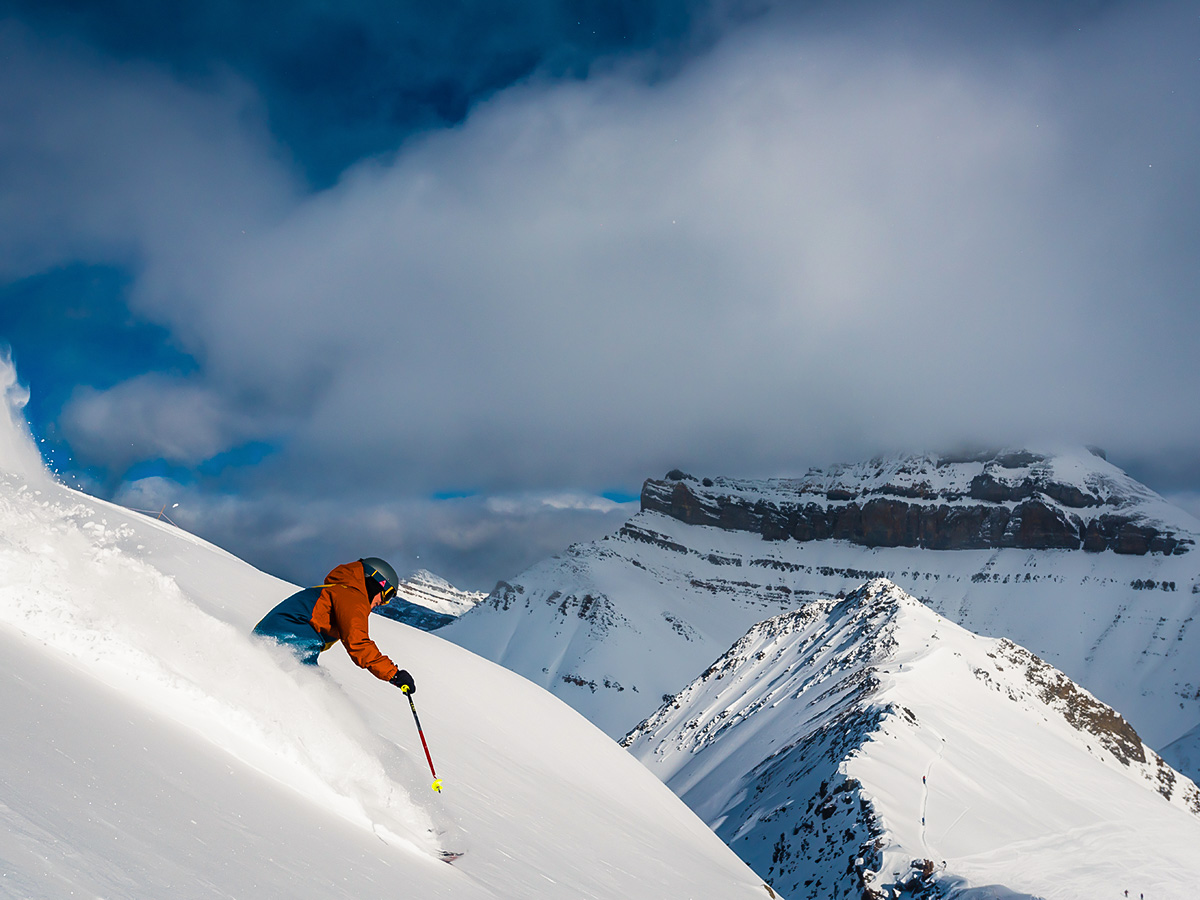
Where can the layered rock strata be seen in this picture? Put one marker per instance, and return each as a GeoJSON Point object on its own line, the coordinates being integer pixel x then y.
{"type": "Point", "coordinates": [936, 503]}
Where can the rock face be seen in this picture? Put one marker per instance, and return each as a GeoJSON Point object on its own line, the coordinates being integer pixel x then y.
{"type": "Point", "coordinates": [1017, 499]}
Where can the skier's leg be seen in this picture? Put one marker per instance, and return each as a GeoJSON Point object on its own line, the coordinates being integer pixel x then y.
{"type": "Point", "coordinates": [305, 647]}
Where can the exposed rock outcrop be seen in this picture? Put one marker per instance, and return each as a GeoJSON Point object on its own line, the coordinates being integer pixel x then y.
{"type": "Point", "coordinates": [938, 503]}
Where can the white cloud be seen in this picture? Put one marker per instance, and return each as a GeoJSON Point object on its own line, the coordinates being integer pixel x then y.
{"type": "Point", "coordinates": [535, 503]}
{"type": "Point", "coordinates": [474, 540]}
{"type": "Point", "coordinates": [795, 250]}
{"type": "Point", "coordinates": [111, 162]}
{"type": "Point", "coordinates": [155, 417]}
{"type": "Point", "coordinates": [816, 245]}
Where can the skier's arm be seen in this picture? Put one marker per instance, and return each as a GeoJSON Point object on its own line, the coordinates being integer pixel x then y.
{"type": "Point", "coordinates": [352, 618]}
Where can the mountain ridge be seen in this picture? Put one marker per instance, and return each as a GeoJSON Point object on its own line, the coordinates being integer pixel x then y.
{"type": "Point", "coordinates": [612, 625]}
{"type": "Point", "coordinates": [814, 743]}
{"type": "Point", "coordinates": [1018, 498]}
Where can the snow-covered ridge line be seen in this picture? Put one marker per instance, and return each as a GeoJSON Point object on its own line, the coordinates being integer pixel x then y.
{"type": "Point", "coordinates": [1069, 500]}
{"type": "Point", "coordinates": [850, 747]}
{"type": "Point", "coordinates": [868, 639]}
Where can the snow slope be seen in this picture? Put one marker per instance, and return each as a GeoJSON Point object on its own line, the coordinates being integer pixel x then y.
{"type": "Point", "coordinates": [1183, 754]}
{"type": "Point", "coordinates": [153, 749]}
{"type": "Point", "coordinates": [836, 745]}
{"type": "Point", "coordinates": [612, 626]}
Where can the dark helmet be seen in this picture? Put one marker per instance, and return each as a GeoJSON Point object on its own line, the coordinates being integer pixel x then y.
{"type": "Point", "coordinates": [378, 571]}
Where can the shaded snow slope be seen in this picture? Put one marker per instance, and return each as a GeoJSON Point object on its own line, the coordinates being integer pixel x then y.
{"type": "Point", "coordinates": [1183, 754]}
{"type": "Point", "coordinates": [152, 748]}
{"type": "Point", "coordinates": [834, 745]}
{"type": "Point", "coordinates": [612, 626]}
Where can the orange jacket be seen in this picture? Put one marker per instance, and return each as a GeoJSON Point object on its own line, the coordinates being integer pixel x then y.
{"type": "Point", "coordinates": [341, 614]}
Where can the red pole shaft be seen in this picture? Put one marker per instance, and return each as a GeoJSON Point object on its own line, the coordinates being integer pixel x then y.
{"type": "Point", "coordinates": [420, 732]}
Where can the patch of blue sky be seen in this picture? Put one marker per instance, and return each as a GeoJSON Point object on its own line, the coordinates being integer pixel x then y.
{"type": "Point", "coordinates": [71, 326]}
{"type": "Point", "coordinates": [245, 455]}
{"type": "Point", "coordinates": [621, 496]}
{"type": "Point", "coordinates": [455, 495]}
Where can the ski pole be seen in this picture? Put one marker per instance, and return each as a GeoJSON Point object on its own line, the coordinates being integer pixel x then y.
{"type": "Point", "coordinates": [437, 782]}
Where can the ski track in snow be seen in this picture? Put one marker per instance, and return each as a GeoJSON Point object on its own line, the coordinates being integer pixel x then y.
{"type": "Point", "coordinates": [925, 789]}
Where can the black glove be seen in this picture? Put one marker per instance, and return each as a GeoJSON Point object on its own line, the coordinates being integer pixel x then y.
{"type": "Point", "coordinates": [404, 681]}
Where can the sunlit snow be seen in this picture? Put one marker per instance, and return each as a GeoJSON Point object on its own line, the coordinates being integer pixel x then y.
{"type": "Point", "coordinates": [152, 749]}
{"type": "Point", "coordinates": [835, 745]}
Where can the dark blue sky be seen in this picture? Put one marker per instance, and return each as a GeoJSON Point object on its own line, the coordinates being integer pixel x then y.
{"type": "Point", "coordinates": [439, 282]}
{"type": "Point", "coordinates": [348, 80]}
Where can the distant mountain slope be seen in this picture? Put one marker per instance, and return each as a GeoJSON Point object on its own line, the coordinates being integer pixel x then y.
{"type": "Point", "coordinates": [426, 601]}
{"type": "Point", "coordinates": [613, 625]}
{"type": "Point", "coordinates": [426, 589]}
{"type": "Point", "coordinates": [834, 746]}
{"type": "Point", "coordinates": [153, 749]}
{"type": "Point", "coordinates": [1183, 754]}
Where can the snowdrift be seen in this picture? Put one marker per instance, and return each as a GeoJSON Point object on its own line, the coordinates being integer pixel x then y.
{"type": "Point", "coordinates": [152, 748]}
{"type": "Point", "coordinates": [867, 747]}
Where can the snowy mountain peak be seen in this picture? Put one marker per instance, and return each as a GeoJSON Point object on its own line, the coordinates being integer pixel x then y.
{"type": "Point", "coordinates": [426, 601]}
{"type": "Point", "coordinates": [1071, 558]}
{"type": "Point", "coordinates": [834, 745]}
{"type": "Point", "coordinates": [1070, 499]}
{"type": "Point", "coordinates": [436, 593]}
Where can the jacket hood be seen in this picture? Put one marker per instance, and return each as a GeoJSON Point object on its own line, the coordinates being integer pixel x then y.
{"type": "Point", "coordinates": [349, 574]}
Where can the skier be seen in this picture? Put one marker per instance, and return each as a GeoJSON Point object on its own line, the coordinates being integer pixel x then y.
{"type": "Point", "coordinates": [316, 618]}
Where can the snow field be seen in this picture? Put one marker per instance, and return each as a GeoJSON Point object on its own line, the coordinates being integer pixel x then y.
{"type": "Point", "coordinates": [102, 797]}
{"type": "Point", "coordinates": [524, 745]}
{"type": "Point", "coordinates": [62, 583]}
{"type": "Point", "coordinates": [1014, 795]}
{"type": "Point", "coordinates": [153, 748]}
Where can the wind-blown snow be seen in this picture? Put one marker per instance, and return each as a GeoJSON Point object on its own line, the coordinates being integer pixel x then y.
{"type": "Point", "coordinates": [152, 748]}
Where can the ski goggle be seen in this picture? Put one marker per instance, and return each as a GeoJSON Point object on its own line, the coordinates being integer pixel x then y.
{"type": "Point", "coordinates": [389, 590]}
